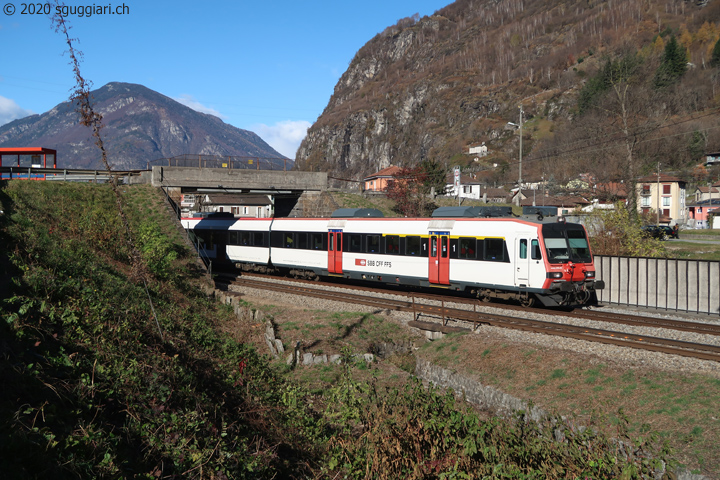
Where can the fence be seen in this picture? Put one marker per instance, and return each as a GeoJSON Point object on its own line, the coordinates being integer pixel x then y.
{"type": "Point", "coordinates": [669, 284]}
{"type": "Point", "coordinates": [230, 162]}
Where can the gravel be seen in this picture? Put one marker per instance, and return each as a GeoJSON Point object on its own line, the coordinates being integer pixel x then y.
{"type": "Point", "coordinates": [624, 355]}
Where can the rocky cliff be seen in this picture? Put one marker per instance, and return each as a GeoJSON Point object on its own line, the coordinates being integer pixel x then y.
{"type": "Point", "coordinates": [429, 88]}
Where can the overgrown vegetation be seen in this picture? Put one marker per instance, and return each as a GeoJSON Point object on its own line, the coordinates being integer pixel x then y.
{"type": "Point", "coordinates": [92, 390]}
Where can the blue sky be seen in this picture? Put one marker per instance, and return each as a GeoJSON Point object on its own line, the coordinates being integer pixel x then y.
{"type": "Point", "coordinates": [269, 67]}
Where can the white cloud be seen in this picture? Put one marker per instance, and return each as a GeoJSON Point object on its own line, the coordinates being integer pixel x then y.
{"type": "Point", "coordinates": [285, 136]}
{"type": "Point", "coordinates": [9, 111]}
{"type": "Point", "coordinates": [189, 101]}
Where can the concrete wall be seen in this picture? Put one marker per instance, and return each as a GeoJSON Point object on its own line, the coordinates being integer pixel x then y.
{"type": "Point", "coordinates": [671, 284]}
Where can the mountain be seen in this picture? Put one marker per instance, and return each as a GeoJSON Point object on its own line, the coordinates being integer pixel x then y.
{"type": "Point", "coordinates": [140, 125]}
{"type": "Point", "coordinates": [428, 88]}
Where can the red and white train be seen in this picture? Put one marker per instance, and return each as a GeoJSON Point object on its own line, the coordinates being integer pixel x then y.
{"type": "Point", "coordinates": [513, 258]}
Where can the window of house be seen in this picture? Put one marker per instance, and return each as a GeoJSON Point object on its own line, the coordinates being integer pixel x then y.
{"type": "Point", "coordinates": [245, 210]}
{"type": "Point", "coordinates": [646, 189]}
{"type": "Point", "coordinates": [235, 210]}
{"type": "Point", "coordinates": [666, 189]}
{"type": "Point", "coordinates": [645, 201]}
{"type": "Point", "coordinates": [666, 201]}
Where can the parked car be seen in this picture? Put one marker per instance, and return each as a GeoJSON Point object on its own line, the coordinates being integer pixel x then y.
{"type": "Point", "coordinates": [661, 232]}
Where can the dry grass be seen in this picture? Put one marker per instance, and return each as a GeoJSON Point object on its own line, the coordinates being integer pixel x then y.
{"type": "Point", "coordinates": [684, 409]}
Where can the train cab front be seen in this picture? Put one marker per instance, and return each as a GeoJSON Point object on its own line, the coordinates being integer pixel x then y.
{"type": "Point", "coordinates": [570, 278]}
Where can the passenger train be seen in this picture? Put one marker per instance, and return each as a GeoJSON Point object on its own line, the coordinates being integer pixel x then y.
{"type": "Point", "coordinates": [460, 249]}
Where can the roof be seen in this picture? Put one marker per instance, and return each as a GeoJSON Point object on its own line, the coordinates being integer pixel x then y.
{"type": "Point", "coordinates": [707, 189]}
{"type": "Point", "coordinates": [541, 201]}
{"type": "Point", "coordinates": [385, 172]}
{"type": "Point", "coordinates": [230, 199]}
{"type": "Point", "coordinates": [664, 178]}
{"type": "Point", "coordinates": [27, 151]}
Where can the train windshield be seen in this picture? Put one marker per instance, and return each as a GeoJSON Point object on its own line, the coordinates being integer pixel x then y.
{"type": "Point", "coordinates": [566, 243]}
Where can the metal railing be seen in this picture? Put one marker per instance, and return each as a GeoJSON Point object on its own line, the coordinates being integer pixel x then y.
{"type": "Point", "coordinates": [667, 284]}
{"type": "Point", "coordinates": [229, 162]}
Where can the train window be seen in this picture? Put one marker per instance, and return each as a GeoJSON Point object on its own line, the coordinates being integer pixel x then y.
{"type": "Point", "coordinates": [244, 238]}
{"type": "Point", "coordinates": [392, 244]}
{"type": "Point", "coordinates": [301, 240]}
{"type": "Point", "coordinates": [355, 243]}
{"type": "Point", "coordinates": [433, 246]}
{"type": "Point", "coordinates": [535, 252]}
{"type": "Point", "coordinates": [259, 239]}
{"type": "Point", "coordinates": [467, 248]}
{"type": "Point", "coordinates": [373, 243]}
{"type": "Point", "coordinates": [579, 246]}
{"type": "Point", "coordinates": [444, 246]}
{"type": "Point", "coordinates": [276, 239]}
{"type": "Point", "coordinates": [412, 245]}
{"type": "Point", "coordinates": [495, 249]}
{"type": "Point", "coordinates": [557, 249]}
{"type": "Point", "coordinates": [523, 248]}
{"type": "Point", "coordinates": [288, 240]}
{"type": "Point", "coordinates": [232, 238]}
{"type": "Point", "coordinates": [316, 241]}
{"type": "Point", "coordinates": [331, 242]}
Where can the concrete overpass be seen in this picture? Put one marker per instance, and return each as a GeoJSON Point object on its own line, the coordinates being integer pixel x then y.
{"type": "Point", "coordinates": [245, 180]}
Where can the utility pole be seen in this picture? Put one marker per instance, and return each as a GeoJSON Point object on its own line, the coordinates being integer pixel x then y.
{"type": "Point", "coordinates": [520, 164]}
{"type": "Point", "coordinates": [658, 194]}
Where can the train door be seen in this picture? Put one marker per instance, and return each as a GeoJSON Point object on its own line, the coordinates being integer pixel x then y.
{"type": "Point", "coordinates": [439, 258]}
{"type": "Point", "coordinates": [335, 251]}
{"type": "Point", "coordinates": [522, 262]}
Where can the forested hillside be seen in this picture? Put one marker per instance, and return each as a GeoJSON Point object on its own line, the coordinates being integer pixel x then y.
{"type": "Point", "coordinates": [606, 88]}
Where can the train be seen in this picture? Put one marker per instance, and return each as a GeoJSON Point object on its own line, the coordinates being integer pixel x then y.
{"type": "Point", "coordinates": [486, 252]}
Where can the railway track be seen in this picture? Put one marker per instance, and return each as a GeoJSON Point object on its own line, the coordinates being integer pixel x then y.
{"type": "Point", "coordinates": [427, 305]}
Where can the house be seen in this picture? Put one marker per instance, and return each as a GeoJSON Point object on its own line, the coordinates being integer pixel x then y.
{"type": "Point", "coordinates": [378, 182]}
{"type": "Point", "coordinates": [535, 198]}
{"type": "Point", "coordinates": [699, 213]}
{"type": "Point", "coordinates": [478, 151]}
{"type": "Point", "coordinates": [469, 187]}
{"type": "Point", "coordinates": [706, 193]}
{"type": "Point", "coordinates": [252, 206]}
{"type": "Point", "coordinates": [712, 159]}
{"type": "Point", "coordinates": [664, 194]}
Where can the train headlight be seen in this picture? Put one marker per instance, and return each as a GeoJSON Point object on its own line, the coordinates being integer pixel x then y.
{"type": "Point", "coordinates": [589, 274]}
{"type": "Point", "coordinates": [555, 275]}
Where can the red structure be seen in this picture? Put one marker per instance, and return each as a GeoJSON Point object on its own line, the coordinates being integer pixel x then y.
{"type": "Point", "coordinates": [38, 158]}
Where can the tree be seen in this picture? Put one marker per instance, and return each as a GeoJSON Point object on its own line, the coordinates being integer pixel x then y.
{"type": "Point", "coordinates": [715, 57]}
{"type": "Point", "coordinates": [672, 66]}
{"type": "Point", "coordinates": [410, 188]}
